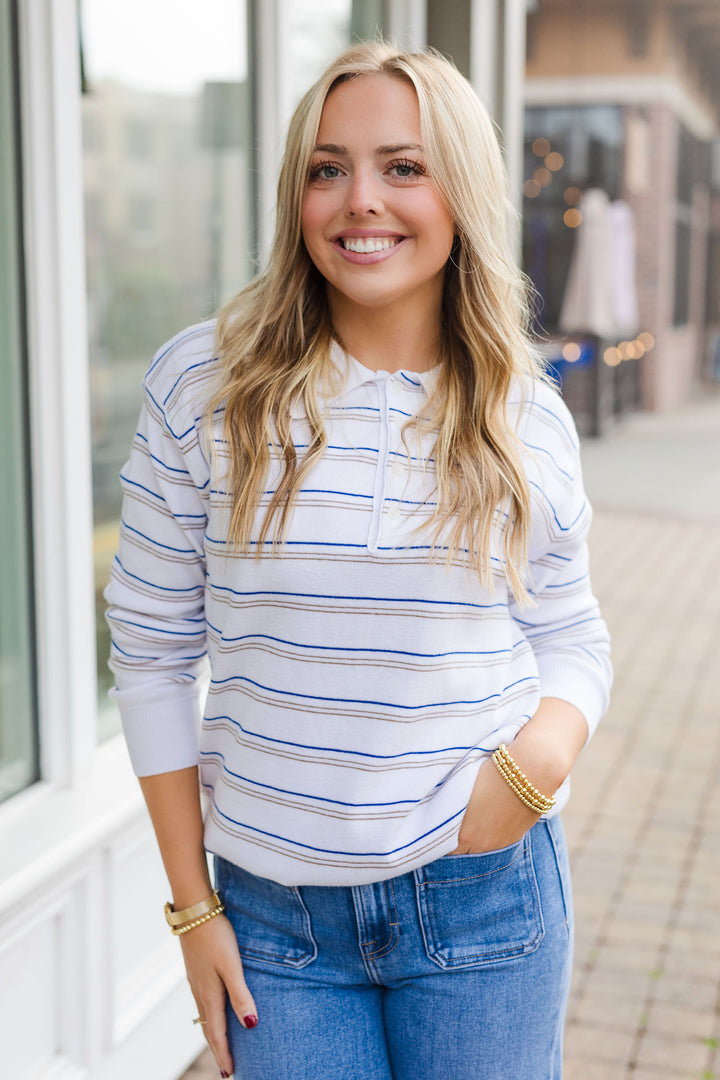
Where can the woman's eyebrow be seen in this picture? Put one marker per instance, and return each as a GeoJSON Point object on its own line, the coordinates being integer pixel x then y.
{"type": "Point", "coordinates": [330, 148]}
{"type": "Point", "coordinates": [394, 148]}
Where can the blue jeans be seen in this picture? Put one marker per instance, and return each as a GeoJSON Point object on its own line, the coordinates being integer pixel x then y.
{"type": "Point", "coordinates": [458, 970]}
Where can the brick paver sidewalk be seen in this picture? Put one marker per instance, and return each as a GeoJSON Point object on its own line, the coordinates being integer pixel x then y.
{"type": "Point", "coordinates": [643, 822]}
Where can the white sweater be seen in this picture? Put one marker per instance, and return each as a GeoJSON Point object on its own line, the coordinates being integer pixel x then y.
{"type": "Point", "coordinates": [355, 685]}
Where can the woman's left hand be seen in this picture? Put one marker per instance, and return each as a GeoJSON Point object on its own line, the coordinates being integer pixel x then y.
{"type": "Point", "coordinates": [545, 749]}
{"type": "Point", "coordinates": [494, 817]}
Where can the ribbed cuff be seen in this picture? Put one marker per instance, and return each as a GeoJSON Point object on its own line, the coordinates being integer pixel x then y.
{"type": "Point", "coordinates": [587, 688]}
{"type": "Point", "coordinates": [161, 723]}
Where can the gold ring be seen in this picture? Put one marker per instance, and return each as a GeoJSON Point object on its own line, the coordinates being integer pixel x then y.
{"type": "Point", "coordinates": [199, 1020]}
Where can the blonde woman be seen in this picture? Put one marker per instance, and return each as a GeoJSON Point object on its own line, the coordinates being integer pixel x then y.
{"type": "Point", "coordinates": [358, 498]}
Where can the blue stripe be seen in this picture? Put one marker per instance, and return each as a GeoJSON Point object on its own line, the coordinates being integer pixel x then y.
{"type": "Point", "coordinates": [417, 385]}
{"type": "Point", "coordinates": [536, 405]}
{"type": "Point", "coordinates": [138, 656]}
{"type": "Point", "coordinates": [350, 449]}
{"type": "Point", "coordinates": [160, 630]}
{"type": "Point", "coordinates": [344, 494]}
{"type": "Point", "coordinates": [567, 584]}
{"type": "Point", "coordinates": [134, 483]}
{"type": "Point", "coordinates": [195, 331]}
{"type": "Point", "coordinates": [374, 599]}
{"type": "Point", "coordinates": [302, 794]}
{"type": "Point", "coordinates": [351, 649]}
{"type": "Point", "coordinates": [355, 547]}
{"type": "Point", "coordinates": [397, 453]}
{"type": "Point", "coordinates": [133, 656]}
{"type": "Point", "coordinates": [557, 629]}
{"type": "Point", "coordinates": [154, 584]}
{"type": "Point", "coordinates": [333, 851]}
{"type": "Point", "coordinates": [170, 468]}
{"type": "Point", "coordinates": [410, 502]}
{"type": "Point", "coordinates": [370, 701]}
{"type": "Point", "coordinates": [361, 547]}
{"type": "Point", "coordinates": [339, 749]}
{"type": "Point", "coordinates": [201, 363]}
{"type": "Point", "coordinates": [156, 543]}
{"type": "Point", "coordinates": [593, 657]}
{"type": "Point", "coordinates": [179, 436]}
{"type": "Point", "coordinates": [542, 450]}
{"type": "Point", "coordinates": [551, 555]}
{"type": "Point", "coordinates": [563, 528]}
{"type": "Point", "coordinates": [320, 491]}
{"type": "Point", "coordinates": [332, 446]}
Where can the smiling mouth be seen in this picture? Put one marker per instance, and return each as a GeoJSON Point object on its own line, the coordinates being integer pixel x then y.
{"type": "Point", "coordinates": [367, 245]}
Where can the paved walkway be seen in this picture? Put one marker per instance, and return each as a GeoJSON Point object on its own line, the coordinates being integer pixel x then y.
{"type": "Point", "coordinates": [644, 820]}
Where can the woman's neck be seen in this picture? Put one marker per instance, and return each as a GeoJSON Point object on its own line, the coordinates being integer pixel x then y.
{"type": "Point", "coordinates": [384, 339]}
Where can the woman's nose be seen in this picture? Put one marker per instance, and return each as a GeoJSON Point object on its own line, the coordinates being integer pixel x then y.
{"type": "Point", "coordinates": [364, 195]}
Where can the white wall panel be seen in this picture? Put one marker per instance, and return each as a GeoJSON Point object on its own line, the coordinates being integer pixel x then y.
{"type": "Point", "coordinates": [30, 971]}
{"type": "Point", "coordinates": [42, 966]}
{"type": "Point", "coordinates": [145, 959]}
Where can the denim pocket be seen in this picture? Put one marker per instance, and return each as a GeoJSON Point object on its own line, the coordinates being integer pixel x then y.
{"type": "Point", "coordinates": [477, 910]}
{"type": "Point", "coordinates": [271, 921]}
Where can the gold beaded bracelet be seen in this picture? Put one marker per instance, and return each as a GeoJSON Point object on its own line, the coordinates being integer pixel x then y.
{"type": "Point", "coordinates": [516, 779]}
{"type": "Point", "coordinates": [177, 930]}
{"type": "Point", "coordinates": [187, 919]}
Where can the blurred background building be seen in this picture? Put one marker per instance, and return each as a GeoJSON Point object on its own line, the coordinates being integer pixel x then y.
{"type": "Point", "coordinates": [141, 142]}
{"type": "Point", "coordinates": [625, 98]}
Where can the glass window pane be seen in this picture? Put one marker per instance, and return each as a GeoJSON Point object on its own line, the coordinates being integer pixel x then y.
{"type": "Point", "coordinates": [18, 730]}
{"type": "Point", "coordinates": [166, 125]}
{"type": "Point", "coordinates": [315, 32]}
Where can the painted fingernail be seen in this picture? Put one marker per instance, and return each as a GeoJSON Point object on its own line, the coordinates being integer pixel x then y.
{"type": "Point", "coordinates": [225, 1076]}
{"type": "Point", "coordinates": [250, 1020]}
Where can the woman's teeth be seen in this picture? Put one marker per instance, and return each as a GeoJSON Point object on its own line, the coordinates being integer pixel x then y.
{"type": "Point", "coordinates": [369, 243]}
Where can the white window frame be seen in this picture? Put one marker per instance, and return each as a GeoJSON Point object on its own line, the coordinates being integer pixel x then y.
{"type": "Point", "coordinates": [71, 761]}
{"type": "Point", "coordinates": [67, 839]}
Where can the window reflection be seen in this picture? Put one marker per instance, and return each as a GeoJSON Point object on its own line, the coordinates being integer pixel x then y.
{"type": "Point", "coordinates": [18, 733]}
{"type": "Point", "coordinates": [166, 147]}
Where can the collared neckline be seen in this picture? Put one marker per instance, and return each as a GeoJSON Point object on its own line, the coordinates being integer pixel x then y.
{"type": "Point", "coordinates": [356, 374]}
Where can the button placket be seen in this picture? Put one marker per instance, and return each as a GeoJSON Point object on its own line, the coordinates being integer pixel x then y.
{"type": "Point", "coordinates": [376, 521]}
{"type": "Point", "coordinates": [397, 464]}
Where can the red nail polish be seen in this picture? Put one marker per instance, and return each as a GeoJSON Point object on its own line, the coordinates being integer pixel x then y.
{"type": "Point", "coordinates": [225, 1076]}
{"type": "Point", "coordinates": [250, 1020]}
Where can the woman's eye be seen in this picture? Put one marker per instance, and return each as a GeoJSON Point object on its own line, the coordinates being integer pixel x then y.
{"type": "Point", "coordinates": [325, 171]}
{"type": "Point", "coordinates": [406, 170]}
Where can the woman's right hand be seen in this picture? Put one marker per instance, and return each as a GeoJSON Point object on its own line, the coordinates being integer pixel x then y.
{"type": "Point", "coordinates": [214, 971]}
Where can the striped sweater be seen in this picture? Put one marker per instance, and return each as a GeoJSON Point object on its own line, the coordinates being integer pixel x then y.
{"type": "Point", "coordinates": [355, 685]}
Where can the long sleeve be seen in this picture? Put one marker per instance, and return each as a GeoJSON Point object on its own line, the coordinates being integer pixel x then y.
{"type": "Point", "coordinates": [564, 627]}
{"type": "Point", "coordinates": [157, 587]}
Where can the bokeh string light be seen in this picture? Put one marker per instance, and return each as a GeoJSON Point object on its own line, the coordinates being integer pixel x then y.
{"type": "Point", "coordinates": [629, 350]}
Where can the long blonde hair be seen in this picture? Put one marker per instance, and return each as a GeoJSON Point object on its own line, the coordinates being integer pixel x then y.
{"type": "Point", "coordinates": [274, 337]}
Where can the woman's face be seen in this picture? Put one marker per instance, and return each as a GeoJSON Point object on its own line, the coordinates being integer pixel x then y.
{"type": "Point", "coordinates": [373, 222]}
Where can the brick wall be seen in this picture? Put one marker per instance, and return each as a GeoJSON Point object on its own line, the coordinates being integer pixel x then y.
{"type": "Point", "coordinates": [668, 372]}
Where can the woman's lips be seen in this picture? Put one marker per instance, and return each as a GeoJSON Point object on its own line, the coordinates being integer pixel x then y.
{"type": "Point", "coordinates": [367, 257]}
